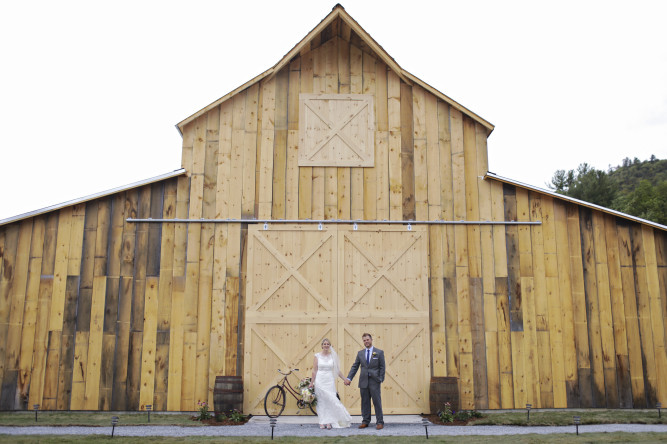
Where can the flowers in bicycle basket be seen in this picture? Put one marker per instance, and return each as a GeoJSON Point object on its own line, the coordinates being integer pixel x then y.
{"type": "Point", "coordinates": [307, 393]}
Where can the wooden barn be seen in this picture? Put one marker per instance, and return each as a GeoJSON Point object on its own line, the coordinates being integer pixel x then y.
{"type": "Point", "coordinates": [334, 194]}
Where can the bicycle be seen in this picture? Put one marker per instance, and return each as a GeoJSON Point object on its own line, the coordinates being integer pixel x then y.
{"type": "Point", "coordinates": [274, 401]}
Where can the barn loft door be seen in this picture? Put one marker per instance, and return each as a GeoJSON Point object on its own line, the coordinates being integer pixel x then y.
{"type": "Point", "coordinates": [305, 284]}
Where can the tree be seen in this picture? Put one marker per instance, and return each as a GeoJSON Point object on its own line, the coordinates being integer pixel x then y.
{"type": "Point", "coordinates": [586, 183]}
{"type": "Point", "coordinates": [635, 187]}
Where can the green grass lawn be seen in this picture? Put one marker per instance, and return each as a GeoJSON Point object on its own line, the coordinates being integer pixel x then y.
{"type": "Point", "coordinates": [512, 439]}
{"type": "Point", "coordinates": [60, 418]}
{"type": "Point", "coordinates": [518, 417]}
{"type": "Point", "coordinates": [564, 417]}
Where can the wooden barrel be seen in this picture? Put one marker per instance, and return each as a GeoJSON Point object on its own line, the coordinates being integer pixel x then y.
{"type": "Point", "coordinates": [228, 394]}
{"type": "Point", "coordinates": [443, 389]}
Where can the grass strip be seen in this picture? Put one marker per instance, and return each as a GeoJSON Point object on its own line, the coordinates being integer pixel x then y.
{"type": "Point", "coordinates": [510, 439]}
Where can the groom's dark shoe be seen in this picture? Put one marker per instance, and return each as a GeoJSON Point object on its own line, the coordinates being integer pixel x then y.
{"type": "Point", "coordinates": [379, 426]}
{"type": "Point", "coordinates": [363, 426]}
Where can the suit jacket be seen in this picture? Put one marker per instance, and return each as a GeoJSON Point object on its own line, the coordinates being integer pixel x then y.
{"type": "Point", "coordinates": [369, 372]}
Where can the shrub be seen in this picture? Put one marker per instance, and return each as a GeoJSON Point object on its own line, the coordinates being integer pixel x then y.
{"type": "Point", "coordinates": [466, 415]}
{"type": "Point", "coordinates": [236, 416]}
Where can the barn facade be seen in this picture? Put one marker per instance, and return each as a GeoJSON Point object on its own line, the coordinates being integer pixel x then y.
{"type": "Point", "coordinates": [332, 195]}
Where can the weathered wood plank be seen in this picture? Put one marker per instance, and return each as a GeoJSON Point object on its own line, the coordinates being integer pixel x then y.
{"type": "Point", "coordinates": [513, 261]}
{"type": "Point", "coordinates": [60, 269]}
{"type": "Point", "coordinates": [204, 312]}
{"type": "Point", "coordinates": [266, 142]}
{"type": "Point", "coordinates": [106, 373]}
{"type": "Point", "coordinates": [505, 356]}
{"type": "Point", "coordinates": [30, 310]}
{"type": "Point", "coordinates": [188, 401]}
{"type": "Point", "coordinates": [306, 173]}
{"type": "Point", "coordinates": [407, 153]}
{"type": "Point", "coordinates": [96, 330]}
{"type": "Point", "coordinates": [438, 336]}
{"type": "Point", "coordinates": [78, 397]}
{"type": "Point", "coordinates": [17, 298]}
{"type": "Point", "coordinates": [231, 325]}
{"type": "Point", "coordinates": [250, 152]}
{"type": "Point", "coordinates": [238, 156]}
{"type": "Point", "coordinates": [420, 152]}
{"type": "Point", "coordinates": [567, 311]}
{"type": "Point", "coordinates": [579, 307]}
{"type": "Point", "coordinates": [102, 236]}
{"type": "Point", "coordinates": [330, 49]}
{"type": "Point", "coordinates": [356, 174]}
{"type": "Point", "coordinates": [618, 314]}
{"type": "Point", "coordinates": [76, 239]}
{"type": "Point", "coordinates": [210, 181]}
{"type": "Point", "coordinates": [161, 370]}
{"type": "Point", "coordinates": [149, 346]}
{"type": "Point", "coordinates": [119, 401]}
{"type": "Point", "coordinates": [394, 146]}
{"type": "Point", "coordinates": [43, 305]}
{"type": "Point", "coordinates": [554, 304]}
{"type": "Point", "coordinates": [87, 267]}
{"type": "Point", "coordinates": [592, 306]}
{"type": "Point", "coordinates": [279, 187]}
{"type": "Point", "coordinates": [478, 344]}
{"type": "Point", "coordinates": [655, 309]}
{"type": "Point", "coordinates": [451, 326]}
{"type": "Point", "coordinates": [605, 310]}
{"type": "Point", "coordinates": [176, 343]}
{"type": "Point", "coordinates": [639, 399]}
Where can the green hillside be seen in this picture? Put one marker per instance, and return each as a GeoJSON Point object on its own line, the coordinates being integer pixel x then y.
{"type": "Point", "coordinates": [635, 187]}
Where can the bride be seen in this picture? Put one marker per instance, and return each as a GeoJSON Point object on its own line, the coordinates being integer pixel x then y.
{"type": "Point", "coordinates": [330, 411]}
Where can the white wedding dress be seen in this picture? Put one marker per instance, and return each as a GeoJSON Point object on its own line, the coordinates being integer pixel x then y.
{"type": "Point", "coordinates": [329, 408]}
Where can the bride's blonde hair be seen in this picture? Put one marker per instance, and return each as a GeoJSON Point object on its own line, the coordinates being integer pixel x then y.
{"type": "Point", "coordinates": [334, 355]}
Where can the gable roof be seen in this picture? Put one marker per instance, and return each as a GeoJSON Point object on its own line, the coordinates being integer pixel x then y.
{"type": "Point", "coordinates": [338, 12]}
{"type": "Point", "coordinates": [583, 203]}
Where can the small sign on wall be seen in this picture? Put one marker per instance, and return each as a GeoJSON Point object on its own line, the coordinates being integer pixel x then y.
{"type": "Point", "coordinates": [336, 130]}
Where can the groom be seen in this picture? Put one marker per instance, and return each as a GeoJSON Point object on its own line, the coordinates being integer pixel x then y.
{"type": "Point", "coordinates": [371, 361]}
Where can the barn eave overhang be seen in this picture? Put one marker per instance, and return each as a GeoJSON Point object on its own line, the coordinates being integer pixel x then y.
{"type": "Point", "coordinates": [493, 176]}
{"type": "Point", "coordinates": [90, 197]}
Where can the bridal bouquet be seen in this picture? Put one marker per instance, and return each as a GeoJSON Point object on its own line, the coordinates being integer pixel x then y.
{"type": "Point", "coordinates": [307, 393]}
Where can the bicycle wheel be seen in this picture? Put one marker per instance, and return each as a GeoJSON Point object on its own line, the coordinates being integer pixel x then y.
{"type": "Point", "coordinates": [312, 409]}
{"type": "Point", "coordinates": [274, 401]}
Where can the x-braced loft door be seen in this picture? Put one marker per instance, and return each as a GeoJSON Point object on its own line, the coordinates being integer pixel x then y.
{"type": "Point", "coordinates": [305, 284]}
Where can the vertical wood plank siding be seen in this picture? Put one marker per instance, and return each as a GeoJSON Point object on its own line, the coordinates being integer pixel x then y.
{"type": "Point", "coordinates": [99, 313]}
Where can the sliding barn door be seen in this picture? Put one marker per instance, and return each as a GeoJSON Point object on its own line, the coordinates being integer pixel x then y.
{"type": "Point", "coordinates": [290, 305]}
{"type": "Point", "coordinates": [383, 290]}
{"type": "Point", "coordinates": [305, 284]}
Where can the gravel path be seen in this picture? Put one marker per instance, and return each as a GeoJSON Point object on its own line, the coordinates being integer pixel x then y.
{"type": "Point", "coordinates": [306, 430]}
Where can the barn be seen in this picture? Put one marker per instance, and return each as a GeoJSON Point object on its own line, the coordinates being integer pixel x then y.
{"type": "Point", "coordinates": [333, 194]}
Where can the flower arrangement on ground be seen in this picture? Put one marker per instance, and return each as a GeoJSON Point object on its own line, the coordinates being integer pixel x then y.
{"type": "Point", "coordinates": [307, 394]}
{"type": "Point", "coordinates": [446, 415]}
{"type": "Point", "coordinates": [204, 412]}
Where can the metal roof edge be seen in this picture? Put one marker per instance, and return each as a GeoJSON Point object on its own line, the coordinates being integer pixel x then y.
{"type": "Point", "coordinates": [79, 200]}
{"type": "Point", "coordinates": [494, 176]}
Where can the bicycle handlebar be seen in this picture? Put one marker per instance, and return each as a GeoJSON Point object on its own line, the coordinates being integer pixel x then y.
{"type": "Point", "coordinates": [288, 373]}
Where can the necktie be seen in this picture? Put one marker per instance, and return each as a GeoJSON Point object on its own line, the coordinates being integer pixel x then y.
{"type": "Point", "coordinates": [368, 356]}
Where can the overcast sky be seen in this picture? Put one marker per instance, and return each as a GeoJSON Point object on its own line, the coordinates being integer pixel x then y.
{"type": "Point", "coordinates": [90, 91]}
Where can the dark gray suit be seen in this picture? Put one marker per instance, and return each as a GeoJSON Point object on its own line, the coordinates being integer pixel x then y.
{"type": "Point", "coordinates": [370, 379]}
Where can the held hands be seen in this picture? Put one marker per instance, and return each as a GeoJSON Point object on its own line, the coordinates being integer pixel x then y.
{"type": "Point", "coordinates": [347, 381]}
